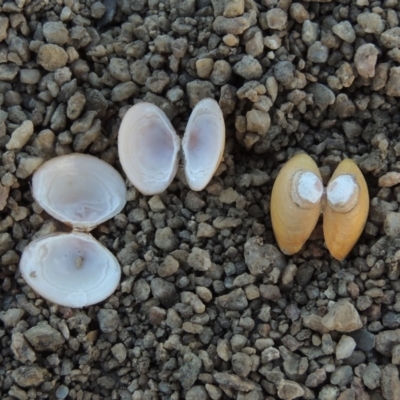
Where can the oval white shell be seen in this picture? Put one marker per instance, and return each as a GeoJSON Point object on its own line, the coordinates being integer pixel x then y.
{"type": "Point", "coordinates": [203, 143]}
{"type": "Point", "coordinates": [79, 190]}
{"type": "Point", "coordinates": [148, 148]}
{"type": "Point", "coordinates": [70, 269]}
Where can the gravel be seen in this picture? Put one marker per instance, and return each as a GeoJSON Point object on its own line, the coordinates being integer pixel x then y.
{"type": "Point", "coordinates": [208, 306]}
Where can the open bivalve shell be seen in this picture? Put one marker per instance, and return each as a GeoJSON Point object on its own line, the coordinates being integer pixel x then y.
{"type": "Point", "coordinates": [70, 269]}
{"type": "Point", "coordinates": [203, 143]}
{"type": "Point", "coordinates": [74, 269]}
{"type": "Point", "coordinates": [296, 202]}
{"type": "Point", "coordinates": [80, 190]}
{"type": "Point", "coordinates": [148, 148]}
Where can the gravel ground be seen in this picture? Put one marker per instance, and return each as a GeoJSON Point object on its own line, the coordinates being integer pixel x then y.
{"type": "Point", "coordinates": [208, 307]}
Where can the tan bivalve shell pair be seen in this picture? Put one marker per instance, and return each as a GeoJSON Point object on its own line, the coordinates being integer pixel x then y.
{"type": "Point", "coordinates": [74, 269]}
{"type": "Point", "coordinates": [297, 202]}
{"type": "Point", "coordinates": [148, 146]}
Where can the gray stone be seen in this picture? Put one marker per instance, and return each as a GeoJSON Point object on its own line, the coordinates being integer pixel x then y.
{"type": "Point", "coordinates": [299, 13]}
{"type": "Point", "coordinates": [4, 22]}
{"type": "Point", "coordinates": [352, 129]}
{"type": "Point", "coordinates": [365, 340]}
{"type": "Point", "coordinates": [199, 259]}
{"type": "Point", "coordinates": [28, 165]}
{"type": "Point", "coordinates": [55, 33]}
{"type": "Point", "coordinates": [248, 68]}
{"type": "Point", "coordinates": [255, 46]}
{"type": "Point", "coordinates": [62, 392]}
{"type": "Point", "coordinates": [196, 393]}
{"type": "Point", "coordinates": [234, 381]}
{"type": "Point", "coordinates": [345, 347]}
{"type": "Point", "coordinates": [393, 84]}
{"type": "Point", "coordinates": [345, 31]}
{"type": "Point", "coordinates": [204, 67]}
{"type": "Point", "coordinates": [108, 320]}
{"type": "Point", "coordinates": [386, 340]}
{"type": "Point", "coordinates": [189, 371]}
{"type": "Point", "coordinates": [169, 267]}
{"type": "Point", "coordinates": [309, 32]}
{"type": "Point", "coordinates": [119, 69]}
{"type": "Point", "coordinates": [236, 26]}
{"type": "Point", "coordinates": [391, 38]}
{"type": "Point", "coordinates": [165, 239]}
{"type": "Point", "coordinates": [198, 90]}
{"type": "Point", "coordinates": [390, 382]}
{"type": "Point", "coordinates": [76, 104]}
{"type": "Point", "coordinates": [261, 258]}
{"type": "Point", "coordinates": [365, 60]}
{"type": "Point", "coordinates": [317, 52]}
{"type": "Point", "coordinates": [322, 95]}
{"type": "Point", "coordinates": [221, 73]}
{"type": "Point", "coordinates": [158, 81]}
{"type": "Point", "coordinates": [141, 290]}
{"type": "Point", "coordinates": [235, 300]}
{"type": "Point", "coordinates": [371, 22]}
{"type": "Point", "coordinates": [52, 57]}
{"type": "Point", "coordinates": [342, 317]}
{"type": "Point", "coordinates": [8, 72]}
{"type": "Point", "coordinates": [44, 338]}
{"type": "Point", "coordinates": [124, 91]}
{"type": "Point", "coordinates": [289, 390]}
{"type": "Point", "coordinates": [342, 376]}
{"type": "Point", "coordinates": [29, 76]}
{"type": "Point", "coordinates": [21, 349]}
{"type": "Point", "coordinates": [20, 136]}
{"type": "Point", "coordinates": [140, 72]}
{"type": "Point", "coordinates": [164, 291]}
{"type": "Point", "coordinates": [277, 19]}
{"type": "Point", "coordinates": [97, 10]}
{"type": "Point", "coordinates": [29, 376]}
{"type": "Point", "coordinates": [258, 122]}
{"type": "Point", "coordinates": [316, 378]}
{"type": "Point", "coordinates": [119, 352]}
{"type": "Point", "coordinates": [233, 8]}
{"type": "Point", "coordinates": [284, 72]}
{"type": "Point", "coordinates": [371, 376]}
{"type": "Point", "coordinates": [83, 140]}
{"type": "Point", "coordinates": [391, 319]}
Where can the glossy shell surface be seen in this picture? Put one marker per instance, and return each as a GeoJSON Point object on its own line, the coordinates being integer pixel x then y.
{"type": "Point", "coordinates": [203, 143]}
{"type": "Point", "coordinates": [148, 148]}
{"type": "Point", "coordinates": [79, 190]}
{"type": "Point", "coordinates": [293, 219]}
{"type": "Point", "coordinates": [73, 270]}
{"type": "Point", "coordinates": [344, 225]}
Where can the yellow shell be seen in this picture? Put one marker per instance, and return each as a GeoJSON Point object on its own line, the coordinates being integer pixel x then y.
{"type": "Point", "coordinates": [296, 202]}
{"type": "Point", "coordinates": [344, 221]}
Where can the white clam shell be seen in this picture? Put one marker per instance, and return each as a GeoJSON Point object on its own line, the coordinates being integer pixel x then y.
{"type": "Point", "coordinates": [148, 148]}
{"type": "Point", "coordinates": [203, 143]}
{"type": "Point", "coordinates": [73, 270]}
{"type": "Point", "coordinates": [79, 190]}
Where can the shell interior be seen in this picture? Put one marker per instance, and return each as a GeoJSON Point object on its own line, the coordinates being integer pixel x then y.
{"type": "Point", "coordinates": [203, 143]}
{"type": "Point", "coordinates": [148, 148]}
{"type": "Point", "coordinates": [73, 270]}
{"type": "Point", "coordinates": [79, 190]}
